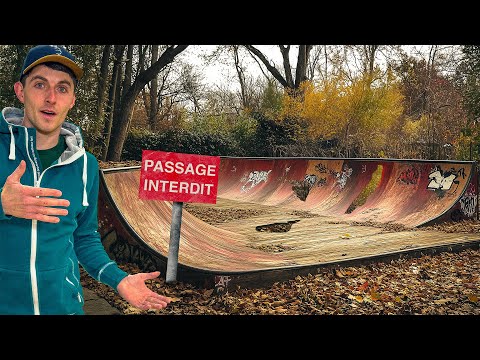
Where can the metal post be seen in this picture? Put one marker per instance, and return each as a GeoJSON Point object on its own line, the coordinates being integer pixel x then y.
{"type": "Point", "coordinates": [477, 178]}
{"type": "Point", "coordinates": [172, 262]}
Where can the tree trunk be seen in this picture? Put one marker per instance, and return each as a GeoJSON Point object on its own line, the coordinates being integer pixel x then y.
{"type": "Point", "coordinates": [241, 76]}
{"type": "Point", "coordinates": [102, 85]}
{"type": "Point", "coordinates": [116, 75]}
{"type": "Point", "coordinates": [123, 116]}
{"type": "Point", "coordinates": [152, 114]}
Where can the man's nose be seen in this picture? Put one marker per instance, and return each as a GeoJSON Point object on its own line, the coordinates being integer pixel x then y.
{"type": "Point", "coordinates": [50, 95]}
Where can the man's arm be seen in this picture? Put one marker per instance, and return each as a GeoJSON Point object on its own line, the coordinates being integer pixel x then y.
{"type": "Point", "coordinates": [95, 260]}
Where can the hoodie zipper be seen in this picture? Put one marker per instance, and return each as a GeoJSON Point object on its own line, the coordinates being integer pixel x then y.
{"type": "Point", "coordinates": [37, 179]}
{"type": "Point", "coordinates": [33, 244]}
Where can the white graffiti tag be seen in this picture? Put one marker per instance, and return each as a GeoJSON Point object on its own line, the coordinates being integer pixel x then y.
{"type": "Point", "coordinates": [468, 202]}
{"type": "Point", "coordinates": [221, 282]}
{"type": "Point", "coordinates": [254, 178]}
{"type": "Point", "coordinates": [341, 178]}
{"type": "Point", "coordinates": [440, 181]}
{"type": "Point", "coordinates": [468, 205]}
{"type": "Point", "coordinates": [310, 180]}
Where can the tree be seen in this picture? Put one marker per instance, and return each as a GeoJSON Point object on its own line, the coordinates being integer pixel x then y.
{"type": "Point", "coordinates": [130, 92]}
{"type": "Point", "coordinates": [434, 112]}
{"type": "Point", "coordinates": [471, 79]}
{"type": "Point", "coordinates": [355, 113]}
{"type": "Point", "coordinates": [11, 59]}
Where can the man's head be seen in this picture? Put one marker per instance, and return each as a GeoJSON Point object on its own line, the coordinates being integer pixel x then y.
{"type": "Point", "coordinates": [54, 56]}
{"type": "Point", "coordinates": [47, 90]}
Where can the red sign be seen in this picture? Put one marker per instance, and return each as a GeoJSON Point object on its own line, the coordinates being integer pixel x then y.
{"type": "Point", "coordinates": [179, 177]}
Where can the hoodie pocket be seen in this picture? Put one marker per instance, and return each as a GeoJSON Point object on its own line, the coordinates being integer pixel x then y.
{"type": "Point", "coordinates": [75, 290]}
{"type": "Point", "coordinates": [15, 292]}
{"type": "Point", "coordinates": [58, 294]}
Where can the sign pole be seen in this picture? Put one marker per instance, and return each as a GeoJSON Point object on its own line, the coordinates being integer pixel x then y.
{"type": "Point", "coordinates": [172, 262]}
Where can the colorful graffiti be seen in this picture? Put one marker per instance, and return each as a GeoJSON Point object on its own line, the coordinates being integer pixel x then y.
{"type": "Point", "coordinates": [302, 188]}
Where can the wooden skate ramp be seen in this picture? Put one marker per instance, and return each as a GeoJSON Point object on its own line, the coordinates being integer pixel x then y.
{"type": "Point", "coordinates": [332, 210]}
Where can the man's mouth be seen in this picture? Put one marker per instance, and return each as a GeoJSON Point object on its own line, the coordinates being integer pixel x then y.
{"type": "Point", "coordinates": [48, 112]}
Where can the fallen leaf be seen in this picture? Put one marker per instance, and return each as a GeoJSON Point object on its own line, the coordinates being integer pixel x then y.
{"type": "Point", "coordinates": [364, 286]}
{"type": "Point", "coordinates": [208, 293]}
{"type": "Point", "coordinates": [473, 298]}
{"type": "Point", "coordinates": [374, 295]}
{"type": "Point", "coordinates": [443, 301]}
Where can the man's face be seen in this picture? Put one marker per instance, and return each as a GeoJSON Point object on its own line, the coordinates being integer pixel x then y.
{"type": "Point", "coordinates": [47, 96]}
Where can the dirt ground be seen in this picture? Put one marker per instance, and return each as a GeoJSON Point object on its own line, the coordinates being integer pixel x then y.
{"type": "Point", "coordinates": [446, 283]}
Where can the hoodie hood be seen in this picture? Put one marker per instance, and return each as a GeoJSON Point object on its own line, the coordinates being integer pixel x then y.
{"type": "Point", "coordinates": [72, 133]}
{"type": "Point", "coordinates": [12, 123]}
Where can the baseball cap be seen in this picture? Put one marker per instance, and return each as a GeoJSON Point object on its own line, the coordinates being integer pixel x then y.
{"type": "Point", "coordinates": [44, 53]}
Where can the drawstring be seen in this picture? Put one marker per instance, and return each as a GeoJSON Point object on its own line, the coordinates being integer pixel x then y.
{"type": "Point", "coordinates": [11, 156]}
{"type": "Point", "coordinates": [84, 178]}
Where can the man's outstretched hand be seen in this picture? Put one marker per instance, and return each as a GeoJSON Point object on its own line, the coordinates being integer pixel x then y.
{"type": "Point", "coordinates": [133, 289]}
{"type": "Point", "coordinates": [31, 202]}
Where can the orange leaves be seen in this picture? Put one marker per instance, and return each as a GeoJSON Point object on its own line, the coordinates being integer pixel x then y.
{"type": "Point", "coordinates": [342, 272]}
{"type": "Point", "coordinates": [342, 107]}
{"type": "Point", "coordinates": [447, 283]}
{"type": "Point", "coordinates": [370, 293]}
{"type": "Point", "coordinates": [473, 298]}
{"type": "Point", "coordinates": [375, 295]}
{"type": "Point", "coordinates": [363, 287]}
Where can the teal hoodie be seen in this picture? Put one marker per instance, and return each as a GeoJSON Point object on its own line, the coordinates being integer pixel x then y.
{"type": "Point", "coordinates": [39, 261]}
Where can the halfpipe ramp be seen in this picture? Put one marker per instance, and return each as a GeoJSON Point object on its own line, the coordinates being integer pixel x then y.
{"type": "Point", "coordinates": [333, 208]}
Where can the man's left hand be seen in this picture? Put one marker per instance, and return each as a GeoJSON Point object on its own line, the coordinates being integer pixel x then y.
{"type": "Point", "coordinates": [133, 289]}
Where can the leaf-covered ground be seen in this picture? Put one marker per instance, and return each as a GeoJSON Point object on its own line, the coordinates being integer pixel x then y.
{"type": "Point", "coordinates": [446, 283]}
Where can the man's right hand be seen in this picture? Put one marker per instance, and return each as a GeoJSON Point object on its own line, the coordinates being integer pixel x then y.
{"type": "Point", "coordinates": [30, 202]}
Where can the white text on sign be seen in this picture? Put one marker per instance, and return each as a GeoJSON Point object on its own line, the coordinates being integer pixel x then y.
{"type": "Point", "coordinates": [178, 177]}
{"type": "Point", "coordinates": [180, 168]}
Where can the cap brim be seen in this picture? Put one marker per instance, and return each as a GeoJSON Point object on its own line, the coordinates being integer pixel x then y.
{"type": "Point", "coordinates": [77, 70]}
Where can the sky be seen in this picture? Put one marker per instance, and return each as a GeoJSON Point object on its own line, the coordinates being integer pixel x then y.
{"type": "Point", "coordinates": [219, 75]}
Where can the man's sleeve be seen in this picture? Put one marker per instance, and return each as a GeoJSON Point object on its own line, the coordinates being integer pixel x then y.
{"type": "Point", "coordinates": [88, 245]}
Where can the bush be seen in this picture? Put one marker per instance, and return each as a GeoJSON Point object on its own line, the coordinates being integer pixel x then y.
{"type": "Point", "coordinates": [180, 141]}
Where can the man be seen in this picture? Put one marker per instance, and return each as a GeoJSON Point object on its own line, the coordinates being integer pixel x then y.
{"type": "Point", "coordinates": [48, 195]}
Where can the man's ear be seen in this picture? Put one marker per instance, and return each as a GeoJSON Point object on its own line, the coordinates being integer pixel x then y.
{"type": "Point", "coordinates": [18, 88]}
{"type": "Point", "coordinates": [73, 101]}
